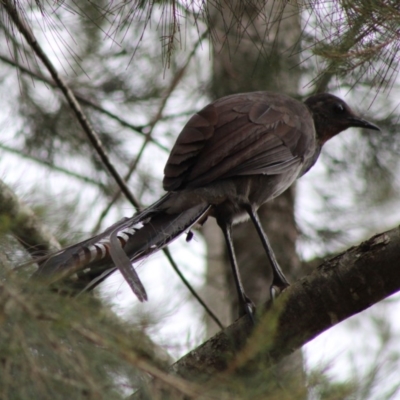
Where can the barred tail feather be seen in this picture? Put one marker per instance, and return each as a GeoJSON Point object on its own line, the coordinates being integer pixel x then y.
{"type": "Point", "coordinates": [159, 231]}
{"type": "Point", "coordinates": [64, 262]}
{"type": "Point", "coordinates": [125, 242]}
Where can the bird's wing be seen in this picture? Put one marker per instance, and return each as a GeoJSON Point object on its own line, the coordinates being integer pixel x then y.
{"type": "Point", "coordinates": [246, 134]}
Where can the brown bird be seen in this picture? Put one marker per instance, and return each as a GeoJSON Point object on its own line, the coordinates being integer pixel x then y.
{"type": "Point", "coordinates": [230, 158]}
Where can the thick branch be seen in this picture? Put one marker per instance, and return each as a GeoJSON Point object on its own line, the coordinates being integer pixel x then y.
{"type": "Point", "coordinates": [339, 288]}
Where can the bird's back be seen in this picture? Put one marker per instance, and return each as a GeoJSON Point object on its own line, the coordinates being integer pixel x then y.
{"type": "Point", "coordinates": [243, 147]}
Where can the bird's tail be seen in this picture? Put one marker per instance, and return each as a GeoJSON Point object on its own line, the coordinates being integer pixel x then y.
{"type": "Point", "coordinates": [125, 242]}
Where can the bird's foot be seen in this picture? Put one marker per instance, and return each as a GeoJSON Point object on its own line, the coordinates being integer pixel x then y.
{"type": "Point", "coordinates": [248, 308]}
{"type": "Point", "coordinates": [275, 291]}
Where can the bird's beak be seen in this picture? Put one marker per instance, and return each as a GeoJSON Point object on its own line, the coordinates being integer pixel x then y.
{"type": "Point", "coordinates": [362, 123]}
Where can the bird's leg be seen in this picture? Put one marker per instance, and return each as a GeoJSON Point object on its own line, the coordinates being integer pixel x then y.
{"type": "Point", "coordinates": [246, 306]}
{"type": "Point", "coordinates": [279, 281]}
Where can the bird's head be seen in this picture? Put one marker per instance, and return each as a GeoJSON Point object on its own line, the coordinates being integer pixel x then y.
{"type": "Point", "coordinates": [332, 115]}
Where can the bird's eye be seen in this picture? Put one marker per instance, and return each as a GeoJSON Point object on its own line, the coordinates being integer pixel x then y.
{"type": "Point", "coordinates": [338, 108]}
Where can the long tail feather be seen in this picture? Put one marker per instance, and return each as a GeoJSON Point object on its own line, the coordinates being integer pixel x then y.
{"type": "Point", "coordinates": [125, 242]}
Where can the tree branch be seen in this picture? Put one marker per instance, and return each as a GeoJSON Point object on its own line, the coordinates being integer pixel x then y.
{"type": "Point", "coordinates": [149, 136]}
{"type": "Point", "coordinates": [24, 154]}
{"type": "Point", "coordinates": [83, 100]}
{"type": "Point", "coordinates": [339, 288]}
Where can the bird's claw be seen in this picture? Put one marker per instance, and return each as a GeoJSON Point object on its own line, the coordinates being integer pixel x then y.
{"type": "Point", "coordinates": [275, 291]}
{"type": "Point", "coordinates": [248, 308]}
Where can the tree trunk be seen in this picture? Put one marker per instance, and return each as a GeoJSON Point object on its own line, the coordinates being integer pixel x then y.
{"type": "Point", "coordinates": [251, 53]}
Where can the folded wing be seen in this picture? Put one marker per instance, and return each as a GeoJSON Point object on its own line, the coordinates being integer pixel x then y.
{"type": "Point", "coordinates": [247, 134]}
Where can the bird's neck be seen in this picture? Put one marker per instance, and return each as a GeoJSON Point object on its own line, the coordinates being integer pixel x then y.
{"type": "Point", "coordinates": [312, 160]}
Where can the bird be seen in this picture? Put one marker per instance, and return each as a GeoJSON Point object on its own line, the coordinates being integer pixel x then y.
{"type": "Point", "coordinates": [232, 156]}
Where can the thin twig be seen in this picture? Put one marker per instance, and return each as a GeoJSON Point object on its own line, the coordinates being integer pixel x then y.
{"type": "Point", "coordinates": [158, 116]}
{"type": "Point", "coordinates": [138, 129]}
{"type": "Point", "coordinates": [177, 78]}
{"type": "Point", "coordinates": [22, 153]}
{"type": "Point", "coordinates": [71, 99]}
{"type": "Point", "coordinates": [191, 290]}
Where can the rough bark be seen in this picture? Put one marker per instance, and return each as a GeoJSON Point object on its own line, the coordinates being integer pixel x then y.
{"type": "Point", "coordinates": [339, 288]}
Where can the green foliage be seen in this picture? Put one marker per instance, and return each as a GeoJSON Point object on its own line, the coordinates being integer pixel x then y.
{"type": "Point", "coordinates": [62, 348]}
{"type": "Point", "coordinates": [357, 40]}
{"type": "Point", "coordinates": [323, 388]}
